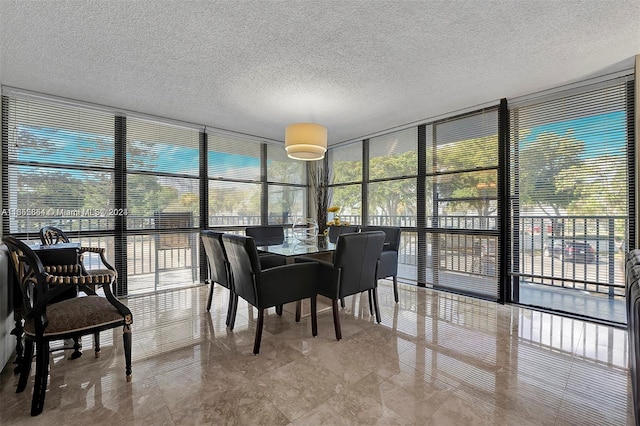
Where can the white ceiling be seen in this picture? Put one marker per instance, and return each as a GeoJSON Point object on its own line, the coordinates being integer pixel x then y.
{"type": "Point", "coordinates": [357, 67]}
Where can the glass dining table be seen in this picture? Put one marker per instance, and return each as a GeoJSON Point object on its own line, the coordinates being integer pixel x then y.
{"type": "Point", "coordinates": [321, 249]}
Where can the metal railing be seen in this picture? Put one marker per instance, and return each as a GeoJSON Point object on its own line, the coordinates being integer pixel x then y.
{"type": "Point", "coordinates": [466, 253]}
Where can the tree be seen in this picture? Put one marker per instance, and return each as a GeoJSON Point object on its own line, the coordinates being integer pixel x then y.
{"type": "Point", "coordinates": [544, 164]}
{"type": "Point", "coordinates": [468, 189]}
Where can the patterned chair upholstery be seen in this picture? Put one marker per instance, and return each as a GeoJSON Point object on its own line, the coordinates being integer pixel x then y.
{"type": "Point", "coordinates": [68, 318]}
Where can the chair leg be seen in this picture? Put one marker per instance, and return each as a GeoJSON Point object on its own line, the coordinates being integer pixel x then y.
{"type": "Point", "coordinates": [260, 323]}
{"type": "Point", "coordinates": [25, 365]}
{"type": "Point", "coordinates": [229, 308]}
{"type": "Point", "coordinates": [234, 310]}
{"type": "Point", "coordinates": [126, 338]}
{"type": "Point", "coordinates": [279, 310]}
{"type": "Point", "coordinates": [342, 302]}
{"type": "Point", "coordinates": [336, 319]}
{"type": "Point", "coordinates": [210, 298]}
{"type": "Point", "coordinates": [298, 310]}
{"type": "Point", "coordinates": [369, 292]}
{"type": "Point", "coordinates": [395, 288]}
{"type": "Point", "coordinates": [375, 304]}
{"type": "Point", "coordinates": [96, 340]}
{"type": "Point", "coordinates": [77, 353]}
{"type": "Point", "coordinates": [42, 375]}
{"type": "Point", "coordinates": [314, 316]}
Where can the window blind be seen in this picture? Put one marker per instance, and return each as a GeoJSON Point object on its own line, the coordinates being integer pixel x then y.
{"type": "Point", "coordinates": [60, 165]}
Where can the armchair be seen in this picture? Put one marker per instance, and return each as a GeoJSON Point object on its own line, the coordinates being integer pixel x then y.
{"type": "Point", "coordinates": [353, 271]}
{"type": "Point", "coordinates": [69, 318]}
{"type": "Point", "coordinates": [268, 235]}
{"type": "Point", "coordinates": [336, 231]}
{"type": "Point", "coordinates": [389, 258]}
{"type": "Point", "coordinates": [265, 288]}
{"type": "Point", "coordinates": [219, 271]}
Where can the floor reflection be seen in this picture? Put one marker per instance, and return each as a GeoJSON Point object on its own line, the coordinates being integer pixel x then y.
{"type": "Point", "coordinates": [436, 358]}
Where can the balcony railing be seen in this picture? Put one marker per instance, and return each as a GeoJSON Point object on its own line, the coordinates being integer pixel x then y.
{"type": "Point", "coordinates": [471, 254]}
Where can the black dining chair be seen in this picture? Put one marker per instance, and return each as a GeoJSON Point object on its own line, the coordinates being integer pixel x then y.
{"type": "Point", "coordinates": [267, 235]}
{"type": "Point", "coordinates": [45, 321]}
{"type": "Point", "coordinates": [353, 271]}
{"type": "Point", "coordinates": [336, 231]}
{"type": "Point", "coordinates": [265, 288]}
{"type": "Point", "coordinates": [219, 271]}
{"type": "Point", "coordinates": [389, 257]}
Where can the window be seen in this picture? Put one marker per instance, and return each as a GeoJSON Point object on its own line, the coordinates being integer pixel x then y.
{"type": "Point", "coordinates": [235, 188]}
{"type": "Point", "coordinates": [287, 179]}
{"type": "Point", "coordinates": [163, 198]}
{"type": "Point", "coordinates": [59, 171]}
{"type": "Point", "coordinates": [345, 181]}
{"type": "Point", "coordinates": [569, 175]}
{"type": "Point", "coordinates": [393, 162]}
{"type": "Point", "coordinates": [461, 195]}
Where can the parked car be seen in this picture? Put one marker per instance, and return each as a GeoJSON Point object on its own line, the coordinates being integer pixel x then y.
{"type": "Point", "coordinates": [574, 251]}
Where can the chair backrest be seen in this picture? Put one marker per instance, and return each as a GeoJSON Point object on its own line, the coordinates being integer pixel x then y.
{"type": "Point", "coordinates": [245, 265]}
{"type": "Point", "coordinates": [392, 236]}
{"type": "Point", "coordinates": [357, 257]}
{"type": "Point", "coordinates": [50, 235]}
{"type": "Point", "coordinates": [219, 269]}
{"type": "Point", "coordinates": [336, 231]}
{"type": "Point", "coordinates": [268, 235]}
{"type": "Point", "coordinates": [29, 274]}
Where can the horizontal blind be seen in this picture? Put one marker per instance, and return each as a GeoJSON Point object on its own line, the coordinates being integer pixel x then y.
{"type": "Point", "coordinates": [461, 194]}
{"type": "Point", "coordinates": [345, 163]}
{"type": "Point", "coordinates": [570, 186]}
{"type": "Point", "coordinates": [60, 165]}
{"type": "Point", "coordinates": [394, 154]}
{"type": "Point", "coordinates": [235, 188]}
{"type": "Point", "coordinates": [162, 175]}
{"type": "Point", "coordinates": [233, 158]}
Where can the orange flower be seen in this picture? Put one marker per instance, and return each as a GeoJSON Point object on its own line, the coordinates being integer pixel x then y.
{"type": "Point", "coordinates": [333, 209]}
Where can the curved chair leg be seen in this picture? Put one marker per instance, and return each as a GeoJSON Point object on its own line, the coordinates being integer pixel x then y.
{"type": "Point", "coordinates": [342, 302]}
{"type": "Point", "coordinates": [375, 304]}
{"type": "Point", "coordinates": [96, 340]}
{"type": "Point", "coordinates": [126, 338]}
{"type": "Point", "coordinates": [314, 316]}
{"type": "Point", "coordinates": [260, 323]}
{"type": "Point", "coordinates": [210, 298]}
{"type": "Point", "coordinates": [336, 319]}
{"type": "Point", "coordinates": [42, 375]}
{"type": "Point", "coordinates": [25, 365]}
{"type": "Point", "coordinates": [395, 288]}
{"type": "Point", "coordinates": [232, 318]}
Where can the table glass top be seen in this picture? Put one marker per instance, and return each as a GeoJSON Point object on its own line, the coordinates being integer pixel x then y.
{"type": "Point", "coordinates": [297, 248]}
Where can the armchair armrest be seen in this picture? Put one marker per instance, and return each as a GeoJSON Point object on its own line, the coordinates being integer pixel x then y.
{"type": "Point", "coordinates": [328, 276]}
{"type": "Point", "coordinates": [287, 283]}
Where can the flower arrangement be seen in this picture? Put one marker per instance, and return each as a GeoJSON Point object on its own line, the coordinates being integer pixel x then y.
{"type": "Point", "coordinates": [336, 219]}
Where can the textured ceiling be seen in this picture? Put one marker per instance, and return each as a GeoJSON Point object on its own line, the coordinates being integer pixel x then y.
{"type": "Point", "coordinates": [357, 67]}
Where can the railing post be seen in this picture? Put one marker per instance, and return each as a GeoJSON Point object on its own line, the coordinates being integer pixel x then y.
{"type": "Point", "coordinates": [612, 252]}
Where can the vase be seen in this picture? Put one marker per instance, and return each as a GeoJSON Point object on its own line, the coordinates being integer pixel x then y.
{"type": "Point", "coordinates": [305, 230]}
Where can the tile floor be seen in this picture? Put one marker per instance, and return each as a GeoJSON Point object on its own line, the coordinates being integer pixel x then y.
{"type": "Point", "coordinates": [436, 359]}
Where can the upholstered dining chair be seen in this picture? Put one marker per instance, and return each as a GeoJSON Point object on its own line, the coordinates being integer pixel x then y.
{"type": "Point", "coordinates": [68, 318]}
{"type": "Point", "coordinates": [50, 235]}
{"type": "Point", "coordinates": [219, 271]}
{"type": "Point", "coordinates": [353, 271]}
{"type": "Point", "coordinates": [265, 288]}
{"type": "Point", "coordinates": [389, 258]}
{"type": "Point", "coordinates": [336, 231]}
{"type": "Point", "coordinates": [267, 235]}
